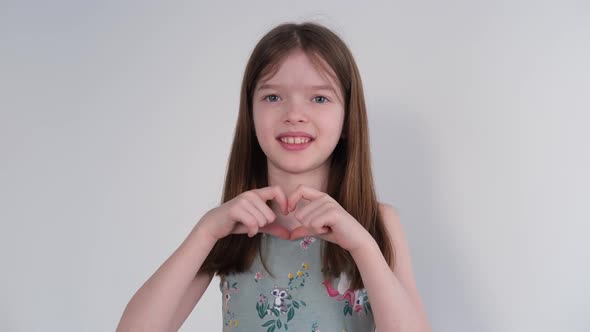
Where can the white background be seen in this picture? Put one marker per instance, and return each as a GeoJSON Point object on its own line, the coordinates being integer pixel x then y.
{"type": "Point", "coordinates": [117, 119]}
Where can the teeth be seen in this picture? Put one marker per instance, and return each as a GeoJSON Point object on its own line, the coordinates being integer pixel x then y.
{"type": "Point", "coordinates": [295, 140]}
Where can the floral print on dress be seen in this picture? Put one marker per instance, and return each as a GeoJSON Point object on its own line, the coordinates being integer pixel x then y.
{"type": "Point", "coordinates": [257, 276]}
{"type": "Point", "coordinates": [298, 280]}
{"type": "Point", "coordinates": [314, 327]}
{"type": "Point", "coordinates": [280, 302]}
{"type": "Point", "coordinates": [304, 244]}
{"type": "Point", "coordinates": [229, 320]}
{"type": "Point", "coordinates": [283, 300]}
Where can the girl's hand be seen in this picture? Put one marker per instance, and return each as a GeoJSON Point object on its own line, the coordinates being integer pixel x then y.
{"type": "Point", "coordinates": [246, 213]}
{"type": "Point", "coordinates": [325, 218]}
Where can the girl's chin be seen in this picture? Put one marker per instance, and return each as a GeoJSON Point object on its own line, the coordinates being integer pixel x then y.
{"type": "Point", "coordinates": [296, 169]}
{"type": "Point", "coordinates": [293, 166]}
{"type": "Point", "coordinates": [299, 166]}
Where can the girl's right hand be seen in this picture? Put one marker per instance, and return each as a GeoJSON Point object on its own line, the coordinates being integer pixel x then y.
{"type": "Point", "coordinates": [247, 213]}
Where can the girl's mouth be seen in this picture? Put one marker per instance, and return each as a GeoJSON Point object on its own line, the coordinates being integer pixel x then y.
{"type": "Point", "coordinates": [295, 143]}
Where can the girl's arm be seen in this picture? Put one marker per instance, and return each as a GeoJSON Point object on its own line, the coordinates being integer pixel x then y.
{"type": "Point", "coordinates": [169, 295]}
{"type": "Point", "coordinates": [166, 299]}
{"type": "Point", "coordinates": [395, 301]}
{"type": "Point", "coordinates": [193, 294]}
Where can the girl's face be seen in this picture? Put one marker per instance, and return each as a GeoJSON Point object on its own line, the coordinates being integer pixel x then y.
{"type": "Point", "coordinates": [298, 98]}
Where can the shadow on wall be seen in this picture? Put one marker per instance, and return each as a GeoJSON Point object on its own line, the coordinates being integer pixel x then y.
{"type": "Point", "coordinates": [404, 163]}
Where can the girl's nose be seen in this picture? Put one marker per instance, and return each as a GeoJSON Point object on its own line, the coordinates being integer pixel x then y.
{"type": "Point", "coordinates": [294, 112]}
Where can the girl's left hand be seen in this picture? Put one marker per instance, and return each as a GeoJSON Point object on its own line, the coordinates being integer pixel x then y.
{"type": "Point", "coordinates": [325, 218]}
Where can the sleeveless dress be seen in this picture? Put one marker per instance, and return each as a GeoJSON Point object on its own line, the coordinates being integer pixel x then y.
{"type": "Point", "coordinates": [297, 298]}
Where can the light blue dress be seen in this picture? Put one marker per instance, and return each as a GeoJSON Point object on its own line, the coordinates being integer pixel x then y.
{"type": "Point", "coordinates": [297, 298]}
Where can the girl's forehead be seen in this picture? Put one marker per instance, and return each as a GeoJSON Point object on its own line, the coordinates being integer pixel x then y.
{"type": "Point", "coordinates": [300, 66]}
{"type": "Point", "coordinates": [298, 71]}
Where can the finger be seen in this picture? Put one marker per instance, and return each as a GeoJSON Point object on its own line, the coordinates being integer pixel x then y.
{"type": "Point", "coordinates": [299, 232]}
{"type": "Point", "coordinates": [264, 209]}
{"type": "Point", "coordinates": [304, 192]}
{"type": "Point", "coordinates": [319, 213]}
{"type": "Point", "coordinates": [316, 223]}
{"type": "Point", "coordinates": [309, 209]}
{"type": "Point", "coordinates": [302, 231]}
{"type": "Point", "coordinates": [258, 216]}
{"type": "Point", "coordinates": [276, 230]}
{"type": "Point", "coordinates": [248, 221]}
{"type": "Point", "coordinates": [275, 193]}
{"type": "Point", "coordinates": [320, 225]}
{"type": "Point", "coordinates": [318, 219]}
{"type": "Point", "coordinates": [244, 229]}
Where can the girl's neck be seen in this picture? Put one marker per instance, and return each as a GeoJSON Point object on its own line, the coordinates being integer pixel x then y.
{"type": "Point", "coordinates": [290, 182]}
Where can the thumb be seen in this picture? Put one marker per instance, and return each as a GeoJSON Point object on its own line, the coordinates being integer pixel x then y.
{"type": "Point", "coordinates": [302, 231]}
{"type": "Point", "coordinates": [275, 230]}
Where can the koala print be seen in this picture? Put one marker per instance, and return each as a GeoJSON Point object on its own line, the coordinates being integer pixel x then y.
{"type": "Point", "coordinates": [281, 295]}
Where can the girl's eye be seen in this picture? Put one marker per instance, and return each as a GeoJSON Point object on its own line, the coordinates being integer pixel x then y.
{"type": "Point", "coordinates": [272, 100]}
{"type": "Point", "coordinates": [318, 99]}
{"type": "Point", "coordinates": [325, 100]}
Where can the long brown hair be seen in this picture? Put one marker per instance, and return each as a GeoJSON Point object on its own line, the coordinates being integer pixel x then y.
{"type": "Point", "coordinates": [350, 179]}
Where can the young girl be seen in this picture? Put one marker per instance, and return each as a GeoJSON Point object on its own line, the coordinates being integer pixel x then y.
{"type": "Point", "coordinates": [300, 241]}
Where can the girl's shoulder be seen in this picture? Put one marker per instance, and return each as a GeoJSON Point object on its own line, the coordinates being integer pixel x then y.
{"type": "Point", "coordinates": [391, 219]}
{"type": "Point", "coordinates": [388, 210]}
{"type": "Point", "coordinates": [395, 231]}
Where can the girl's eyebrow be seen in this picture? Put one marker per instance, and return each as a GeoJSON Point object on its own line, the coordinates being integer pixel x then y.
{"type": "Point", "coordinates": [312, 87]}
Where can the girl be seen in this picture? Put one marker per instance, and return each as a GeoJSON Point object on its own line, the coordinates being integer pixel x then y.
{"type": "Point", "coordinates": [300, 241]}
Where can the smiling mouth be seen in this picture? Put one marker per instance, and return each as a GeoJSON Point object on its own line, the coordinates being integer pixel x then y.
{"type": "Point", "coordinates": [295, 143]}
{"type": "Point", "coordinates": [295, 140]}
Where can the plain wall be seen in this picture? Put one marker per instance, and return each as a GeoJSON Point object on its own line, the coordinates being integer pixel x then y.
{"type": "Point", "coordinates": [117, 119]}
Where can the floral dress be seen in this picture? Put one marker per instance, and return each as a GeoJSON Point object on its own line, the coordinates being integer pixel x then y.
{"type": "Point", "coordinates": [297, 298]}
